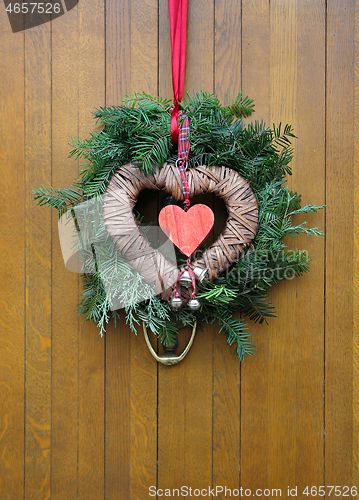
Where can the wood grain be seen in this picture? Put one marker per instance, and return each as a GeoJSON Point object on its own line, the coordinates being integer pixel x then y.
{"type": "Point", "coordinates": [226, 368]}
{"type": "Point", "coordinates": [255, 398]}
{"type": "Point", "coordinates": [164, 49]}
{"type": "Point", "coordinates": [65, 285]}
{"type": "Point", "coordinates": [256, 56]}
{"type": "Point", "coordinates": [144, 46]}
{"type": "Point", "coordinates": [356, 262]}
{"type": "Point", "coordinates": [299, 422]}
{"type": "Point", "coordinates": [118, 397]}
{"type": "Point", "coordinates": [291, 415]}
{"type": "Point", "coordinates": [118, 50]}
{"type": "Point", "coordinates": [309, 290]}
{"type": "Point", "coordinates": [143, 381]}
{"type": "Point", "coordinates": [339, 254]}
{"type": "Point", "coordinates": [38, 264]}
{"type": "Point", "coordinates": [227, 49]}
{"type": "Point", "coordinates": [12, 263]}
{"type": "Point", "coordinates": [118, 339]}
{"type": "Point", "coordinates": [91, 346]}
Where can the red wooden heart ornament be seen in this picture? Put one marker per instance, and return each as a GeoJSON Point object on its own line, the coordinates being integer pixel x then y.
{"type": "Point", "coordinates": [186, 230]}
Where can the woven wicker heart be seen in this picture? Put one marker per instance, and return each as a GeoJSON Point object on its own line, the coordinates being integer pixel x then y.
{"type": "Point", "coordinates": [121, 196]}
{"type": "Point", "coordinates": [186, 230]}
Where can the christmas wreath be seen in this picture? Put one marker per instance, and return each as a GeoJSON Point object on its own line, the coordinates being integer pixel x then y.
{"type": "Point", "coordinates": [246, 164]}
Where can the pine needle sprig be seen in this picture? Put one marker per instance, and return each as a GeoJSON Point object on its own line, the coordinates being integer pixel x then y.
{"type": "Point", "coordinates": [236, 331]}
{"type": "Point", "coordinates": [60, 199]}
{"type": "Point", "coordinates": [241, 108]}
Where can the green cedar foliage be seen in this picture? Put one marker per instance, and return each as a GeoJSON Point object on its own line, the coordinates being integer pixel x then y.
{"type": "Point", "coordinates": [140, 132]}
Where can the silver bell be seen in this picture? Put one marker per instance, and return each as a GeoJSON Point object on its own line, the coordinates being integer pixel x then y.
{"type": "Point", "coordinates": [185, 280]}
{"type": "Point", "coordinates": [194, 304]}
{"type": "Point", "coordinates": [200, 273]}
{"type": "Point", "coordinates": [176, 303]}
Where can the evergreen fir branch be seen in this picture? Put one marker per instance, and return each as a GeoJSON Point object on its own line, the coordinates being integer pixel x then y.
{"type": "Point", "coordinates": [98, 183]}
{"type": "Point", "coordinates": [282, 139]}
{"type": "Point", "coordinates": [307, 209]}
{"type": "Point", "coordinates": [185, 316]}
{"type": "Point", "coordinates": [60, 199]}
{"type": "Point", "coordinates": [131, 317]}
{"type": "Point", "coordinates": [168, 333]}
{"type": "Point", "coordinates": [155, 314]}
{"type": "Point", "coordinates": [154, 151]}
{"type": "Point", "coordinates": [237, 333]}
{"type": "Point", "coordinates": [201, 104]}
{"type": "Point", "coordinates": [258, 308]}
{"type": "Point", "coordinates": [82, 149]}
{"type": "Point", "coordinates": [147, 102]}
{"type": "Point", "coordinates": [241, 108]}
{"type": "Point", "coordinates": [301, 229]}
{"type": "Point", "coordinates": [94, 304]}
{"type": "Point", "coordinates": [217, 294]}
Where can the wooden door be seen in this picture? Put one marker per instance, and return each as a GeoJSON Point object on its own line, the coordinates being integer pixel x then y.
{"type": "Point", "coordinates": [89, 418]}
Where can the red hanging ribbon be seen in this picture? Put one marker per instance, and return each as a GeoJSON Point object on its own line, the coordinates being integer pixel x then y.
{"type": "Point", "coordinates": [178, 26]}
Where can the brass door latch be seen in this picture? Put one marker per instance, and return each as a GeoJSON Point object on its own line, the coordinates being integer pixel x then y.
{"type": "Point", "coordinates": [170, 357]}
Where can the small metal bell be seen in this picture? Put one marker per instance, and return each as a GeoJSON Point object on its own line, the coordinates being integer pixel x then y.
{"type": "Point", "coordinates": [176, 303]}
{"type": "Point", "coordinates": [194, 304]}
{"type": "Point", "coordinates": [200, 273]}
{"type": "Point", "coordinates": [185, 280]}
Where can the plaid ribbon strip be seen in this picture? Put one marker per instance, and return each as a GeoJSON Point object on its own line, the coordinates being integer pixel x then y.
{"type": "Point", "coordinates": [183, 152]}
{"type": "Point", "coordinates": [184, 144]}
{"type": "Point", "coordinates": [185, 188]}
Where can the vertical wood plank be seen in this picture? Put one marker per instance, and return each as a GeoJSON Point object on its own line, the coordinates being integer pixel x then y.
{"type": "Point", "coordinates": [12, 265]}
{"type": "Point", "coordinates": [290, 419]}
{"type": "Point", "coordinates": [226, 415]}
{"type": "Point", "coordinates": [185, 390]}
{"type": "Point", "coordinates": [144, 46]}
{"type": "Point", "coordinates": [256, 56]}
{"type": "Point", "coordinates": [143, 429]}
{"type": "Point", "coordinates": [117, 442]}
{"type": "Point", "coordinates": [339, 251]}
{"type": "Point", "coordinates": [228, 49]}
{"type": "Point", "coordinates": [297, 409]}
{"type": "Point", "coordinates": [118, 339]}
{"type": "Point", "coordinates": [309, 290]}
{"type": "Point", "coordinates": [226, 367]}
{"type": "Point", "coordinates": [164, 49]}
{"type": "Point", "coordinates": [298, 339]}
{"type": "Point", "coordinates": [118, 50]}
{"type": "Point", "coordinates": [38, 263]}
{"type": "Point", "coordinates": [200, 45]}
{"type": "Point", "coordinates": [356, 260]}
{"type": "Point", "coordinates": [65, 285]}
{"type": "Point", "coordinates": [255, 371]}
{"type": "Point", "coordinates": [91, 67]}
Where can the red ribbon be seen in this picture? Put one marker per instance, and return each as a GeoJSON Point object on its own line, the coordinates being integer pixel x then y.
{"type": "Point", "coordinates": [178, 26]}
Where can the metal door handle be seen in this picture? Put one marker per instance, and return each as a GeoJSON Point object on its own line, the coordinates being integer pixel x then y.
{"type": "Point", "coordinates": [169, 357]}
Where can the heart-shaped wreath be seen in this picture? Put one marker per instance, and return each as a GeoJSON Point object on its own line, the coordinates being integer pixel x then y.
{"type": "Point", "coordinates": [121, 196]}
{"type": "Point", "coordinates": [244, 164]}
